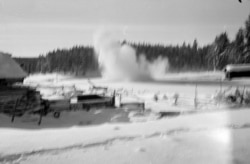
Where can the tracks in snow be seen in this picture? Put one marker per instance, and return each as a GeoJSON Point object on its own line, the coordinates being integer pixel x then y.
{"type": "Point", "coordinates": [17, 158]}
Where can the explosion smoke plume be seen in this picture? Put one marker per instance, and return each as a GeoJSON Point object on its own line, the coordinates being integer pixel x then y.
{"type": "Point", "coordinates": [119, 61]}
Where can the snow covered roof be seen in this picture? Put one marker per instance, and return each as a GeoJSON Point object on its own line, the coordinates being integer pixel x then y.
{"type": "Point", "coordinates": [9, 69]}
{"type": "Point", "coordinates": [238, 67]}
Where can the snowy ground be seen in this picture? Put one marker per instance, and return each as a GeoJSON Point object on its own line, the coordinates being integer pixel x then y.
{"type": "Point", "coordinates": [215, 133]}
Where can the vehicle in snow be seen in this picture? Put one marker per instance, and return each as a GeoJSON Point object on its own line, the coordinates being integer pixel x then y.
{"type": "Point", "coordinates": [237, 70]}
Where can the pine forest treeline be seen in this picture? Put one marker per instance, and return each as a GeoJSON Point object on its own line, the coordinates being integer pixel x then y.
{"type": "Point", "coordinates": [186, 57]}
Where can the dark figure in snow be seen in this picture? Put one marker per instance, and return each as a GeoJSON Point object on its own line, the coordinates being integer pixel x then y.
{"type": "Point", "coordinates": [156, 97]}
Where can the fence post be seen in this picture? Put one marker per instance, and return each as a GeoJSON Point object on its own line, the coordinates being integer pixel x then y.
{"type": "Point", "coordinates": [195, 96]}
{"type": "Point", "coordinates": [242, 95]}
{"type": "Point", "coordinates": [14, 111]}
{"type": "Point", "coordinates": [220, 85]}
{"type": "Point", "coordinates": [218, 105]}
{"type": "Point", "coordinates": [40, 118]}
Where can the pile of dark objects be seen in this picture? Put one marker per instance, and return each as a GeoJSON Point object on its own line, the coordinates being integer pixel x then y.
{"type": "Point", "coordinates": [234, 95]}
{"type": "Point", "coordinates": [17, 99]}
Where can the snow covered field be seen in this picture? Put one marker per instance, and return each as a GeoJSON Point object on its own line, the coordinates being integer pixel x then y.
{"type": "Point", "coordinates": [214, 133]}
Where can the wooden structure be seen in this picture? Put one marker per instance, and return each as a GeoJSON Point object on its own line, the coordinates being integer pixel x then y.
{"type": "Point", "coordinates": [15, 101]}
{"type": "Point", "coordinates": [140, 105]}
{"type": "Point", "coordinates": [92, 100]}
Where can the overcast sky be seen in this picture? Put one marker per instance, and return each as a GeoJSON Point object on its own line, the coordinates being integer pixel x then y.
{"type": "Point", "coordinates": [33, 27]}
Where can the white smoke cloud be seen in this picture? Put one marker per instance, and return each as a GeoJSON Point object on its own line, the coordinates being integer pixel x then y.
{"type": "Point", "coordinates": [159, 67]}
{"type": "Point", "coordinates": [118, 61]}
